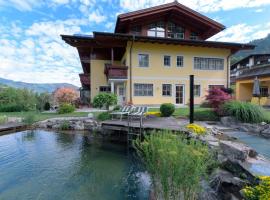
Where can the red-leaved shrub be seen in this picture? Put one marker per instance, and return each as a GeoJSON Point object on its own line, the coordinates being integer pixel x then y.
{"type": "Point", "coordinates": [216, 98]}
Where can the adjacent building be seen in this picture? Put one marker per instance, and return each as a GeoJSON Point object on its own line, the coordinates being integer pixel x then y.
{"type": "Point", "coordinates": [246, 70]}
{"type": "Point", "coordinates": [152, 52]}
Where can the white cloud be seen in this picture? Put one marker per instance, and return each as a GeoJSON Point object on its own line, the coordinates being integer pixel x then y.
{"type": "Point", "coordinates": [41, 55]}
{"type": "Point", "coordinates": [200, 5]}
{"type": "Point", "coordinates": [96, 17]}
{"type": "Point", "coordinates": [243, 33]}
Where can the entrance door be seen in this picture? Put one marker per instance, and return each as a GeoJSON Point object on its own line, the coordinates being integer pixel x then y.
{"type": "Point", "coordinates": [179, 94]}
{"type": "Point", "coordinates": [121, 94]}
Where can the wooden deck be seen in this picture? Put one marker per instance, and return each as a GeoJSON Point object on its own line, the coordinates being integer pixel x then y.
{"type": "Point", "coordinates": [162, 123]}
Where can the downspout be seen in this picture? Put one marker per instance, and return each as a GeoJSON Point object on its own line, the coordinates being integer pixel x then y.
{"type": "Point", "coordinates": [228, 69]}
{"type": "Point", "coordinates": [130, 69]}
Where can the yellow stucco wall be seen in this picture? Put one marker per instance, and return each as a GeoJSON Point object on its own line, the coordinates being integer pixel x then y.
{"type": "Point", "coordinates": [244, 88]}
{"type": "Point", "coordinates": [157, 74]}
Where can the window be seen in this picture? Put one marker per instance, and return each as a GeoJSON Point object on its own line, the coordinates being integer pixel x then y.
{"type": "Point", "coordinates": [136, 30]}
{"type": "Point", "coordinates": [175, 31]}
{"type": "Point", "coordinates": [143, 89]}
{"type": "Point", "coordinates": [156, 29]}
{"type": "Point", "coordinates": [193, 36]}
{"type": "Point", "coordinates": [179, 61]}
{"type": "Point", "coordinates": [208, 63]}
{"type": "Point", "coordinates": [104, 89]}
{"type": "Point", "coordinates": [215, 86]}
{"type": "Point", "coordinates": [197, 90]}
{"type": "Point", "coordinates": [143, 60]}
{"type": "Point", "coordinates": [264, 91]}
{"type": "Point", "coordinates": [166, 90]}
{"type": "Point", "coordinates": [167, 61]}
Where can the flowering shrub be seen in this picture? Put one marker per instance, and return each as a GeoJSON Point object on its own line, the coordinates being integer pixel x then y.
{"type": "Point", "coordinates": [195, 128]}
{"type": "Point", "coordinates": [65, 95]}
{"type": "Point", "coordinates": [157, 114]}
{"type": "Point", "coordinates": [216, 98]}
{"type": "Point", "coordinates": [259, 192]}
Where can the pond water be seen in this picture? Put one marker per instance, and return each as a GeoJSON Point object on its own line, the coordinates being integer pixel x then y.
{"type": "Point", "coordinates": [261, 145]}
{"type": "Point", "coordinates": [55, 166]}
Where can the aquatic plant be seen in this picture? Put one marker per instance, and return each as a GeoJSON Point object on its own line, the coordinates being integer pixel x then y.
{"type": "Point", "coordinates": [195, 128]}
{"type": "Point", "coordinates": [65, 125]}
{"type": "Point", "coordinates": [29, 118]}
{"type": "Point", "coordinates": [176, 165]}
{"type": "Point", "coordinates": [259, 192]}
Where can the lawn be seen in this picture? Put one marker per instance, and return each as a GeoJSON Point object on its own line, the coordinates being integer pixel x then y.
{"type": "Point", "coordinates": [42, 116]}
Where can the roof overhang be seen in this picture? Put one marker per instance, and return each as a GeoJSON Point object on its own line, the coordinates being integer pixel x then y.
{"type": "Point", "coordinates": [172, 10]}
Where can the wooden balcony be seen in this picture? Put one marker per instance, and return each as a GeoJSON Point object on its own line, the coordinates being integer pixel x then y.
{"type": "Point", "coordinates": [85, 79]}
{"type": "Point", "coordinates": [115, 71]}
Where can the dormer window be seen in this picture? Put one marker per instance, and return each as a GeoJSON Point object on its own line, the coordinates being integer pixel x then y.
{"type": "Point", "coordinates": [193, 36]}
{"type": "Point", "coordinates": [175, 31]}
{"type": "Point", "coordinates": [136, 30]}
{"type": "Point", "coordinates": [156, 29]}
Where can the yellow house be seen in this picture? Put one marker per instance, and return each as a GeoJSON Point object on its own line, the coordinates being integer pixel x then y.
{"type": "Point", "coordinates": [243, 74]}
{"type": "Point", "coordinates": [152, 52]}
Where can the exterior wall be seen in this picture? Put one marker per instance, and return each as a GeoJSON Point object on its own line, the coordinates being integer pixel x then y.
{"type": "Point", "coordinates": [97, 76]}
{"type": "Point", "coordinates": [244, 88]}
{"type": "Point", "coordinates": [158, 74]}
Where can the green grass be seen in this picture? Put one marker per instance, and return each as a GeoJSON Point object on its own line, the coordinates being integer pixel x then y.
{"type": "Point", "coordinates": [43, 116]}
{"type": "Point", "coordinates": [181, 112]}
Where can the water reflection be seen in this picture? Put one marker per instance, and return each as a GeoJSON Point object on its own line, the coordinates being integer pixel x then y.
{"type": "Point", "coordinates": [46, 165]}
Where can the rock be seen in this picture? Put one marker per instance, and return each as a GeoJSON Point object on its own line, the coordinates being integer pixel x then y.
{"type": "Point", "coordinates": [237, 151]}
{"type": "Point", "coordinates": [226, 185]}
{"type": "Point", "coordinates": [266, 132]}
{"type": "Point", "coordinates": [228, 121]}
{"type": "Point", "coordinates": [207, 193]}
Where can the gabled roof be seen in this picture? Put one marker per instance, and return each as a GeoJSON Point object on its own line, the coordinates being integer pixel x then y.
{"type": "Point", "coordinates": [178, 9]}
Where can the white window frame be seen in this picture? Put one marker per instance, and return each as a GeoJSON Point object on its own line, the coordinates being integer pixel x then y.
{"type": "Point", "coordinates": [182, 61]}
{"type": "Point", "coordinates": [200, 90]}
{"type": "Point", "coordinates": [170, 91]}
{"type": "Point", "coordinates": [205, 63]}
{"type": "Point", "coordinates": [136, 95]}
{"type": "Point", "coordinates": [170, 60]}
{"type": "Point", "coordinates": [139, 60]}
{"type": "Point", "coordinates": [184, 93]}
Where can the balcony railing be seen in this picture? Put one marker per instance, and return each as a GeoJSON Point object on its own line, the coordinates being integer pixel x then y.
{"type": "Point", "coordinates": [85, 79]}
{"type": "Point", "coordinates": [115, 71]}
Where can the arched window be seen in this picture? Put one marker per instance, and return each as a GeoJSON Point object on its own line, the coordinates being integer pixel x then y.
{"type": "Point", "coordinates": [156, 29]}
{"type": "Point", "coordinates": [175, 31]}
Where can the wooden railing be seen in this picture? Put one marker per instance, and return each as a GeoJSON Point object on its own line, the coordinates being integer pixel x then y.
{"type": "Point", "coordinates": [115, 71]}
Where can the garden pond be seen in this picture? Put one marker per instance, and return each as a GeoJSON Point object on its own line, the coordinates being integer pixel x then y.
{"type": "Point", "coordinates": [48, 165]}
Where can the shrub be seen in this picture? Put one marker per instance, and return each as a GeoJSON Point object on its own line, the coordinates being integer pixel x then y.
{"type": "Point", "coordinates": [228, 90]}
{"type": "Point", "coordinates": [65, 95]}
{"type": "Point", "coordinates": [65, 125]}
{"type": "Point", "coordinates": [3, 119]}
{"type": "Point", "coordinates": [205, 104]}
{"type": "Point", "coordinates": [47, 106]}
{"type": "Point", "coordinates": [206, 115]}
{"type": "Point", "coordinates": [11, 108]}
{"type": "Point", "coordinates": [244, 111]}
{"type": "Point", "coordinates": [176, 165]}
{"type": "Point", "coordinates": [104, 116]}
{"type": "Point", "coordinates": [167, 109]}
{"type": "Point", "coordinates": [197, 129]}
{"type": "Point", "coordinates": [29, 118]}
{"type": "Point", "coordinates": [116, 108]}
{"type": "Point", "coordinates": [104, 99]}
{"type": "Point", "coordinates": [216, 98]}
{"type": "Point", "coordinates": [260, 192]}
{"type": "Point", "coordinates": [66, 108]}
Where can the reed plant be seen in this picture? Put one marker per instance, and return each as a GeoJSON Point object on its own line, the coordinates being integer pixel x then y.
{"type": "Point", "coordinates": [176, 164]}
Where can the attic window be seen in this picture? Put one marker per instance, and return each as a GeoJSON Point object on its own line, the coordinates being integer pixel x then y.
{"type": "Point", "coordinates": [193, 36]}
{"type": "Point", "coordinates": [175, 31]}
{"type": "Point", "coordinates": [136, 30]}
{"type": "Point", "coordinates": [156, 29]}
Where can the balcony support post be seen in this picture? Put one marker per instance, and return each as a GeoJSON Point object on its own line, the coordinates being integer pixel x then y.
{"type": "Point", "coordinates": [112, 87]}
{"type": "Point", "coordinates": [112, 56]}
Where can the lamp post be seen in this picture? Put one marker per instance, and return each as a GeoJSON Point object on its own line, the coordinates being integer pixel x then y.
{"type": "Point", "coordinates": [191, 99]}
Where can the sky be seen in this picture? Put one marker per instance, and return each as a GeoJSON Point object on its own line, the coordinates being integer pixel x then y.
{"type": "Point", "coordinates": [31, 49]}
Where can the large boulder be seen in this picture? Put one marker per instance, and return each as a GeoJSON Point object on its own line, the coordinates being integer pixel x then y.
{"type": "Point", "coordinates": [236, 150]}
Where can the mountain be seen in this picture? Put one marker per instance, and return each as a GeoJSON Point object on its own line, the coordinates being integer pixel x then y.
{"type": "Point", "coordinates": [37, 87]}
{"type": "Point", "coordinates": [262, 47]}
